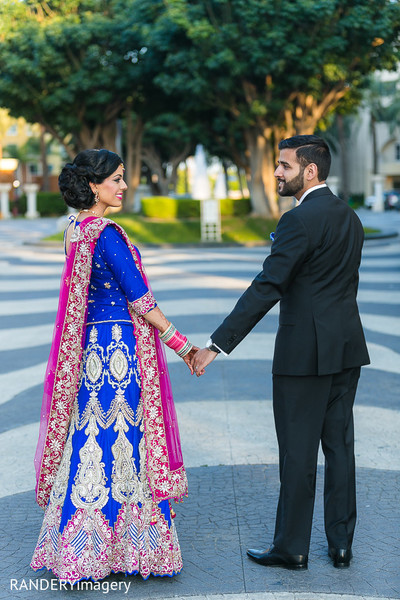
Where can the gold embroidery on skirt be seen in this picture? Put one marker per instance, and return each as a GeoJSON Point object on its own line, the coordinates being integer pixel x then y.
{"type": "Point", "coordinates": [124, 474]}
{"type": "Point", "coordinates": [59, 489]}
{"type": "Point", "coordinates": [118, 365]}
{"type": "Point", "coordinates": [89, 489]}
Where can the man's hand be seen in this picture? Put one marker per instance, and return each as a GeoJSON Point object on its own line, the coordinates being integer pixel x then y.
{"type": "Point", "coordinates": [202, 359]}
{"type": "Point", "coordinates": [189, 358]}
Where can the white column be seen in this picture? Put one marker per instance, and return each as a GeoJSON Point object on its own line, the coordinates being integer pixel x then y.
{"type": "Point", "coordinates": [4, 200]}
{"type": "Point", "coordinates": [30, 190]}
{"type": "Point", "coordinates": [333, 184]}
{"type": "Point", "coordinates": [377, 182]}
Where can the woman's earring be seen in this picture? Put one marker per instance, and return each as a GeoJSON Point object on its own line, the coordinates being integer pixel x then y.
{"type": "Point", "coordinates": [96, 197]}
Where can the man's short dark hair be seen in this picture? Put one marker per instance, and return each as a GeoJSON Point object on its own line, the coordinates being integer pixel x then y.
{"type": "Point", "coordinates": [310, 149]}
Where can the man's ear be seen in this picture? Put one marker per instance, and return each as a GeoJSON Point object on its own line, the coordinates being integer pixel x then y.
{"type": "Point", "coordinates": [311, 172]}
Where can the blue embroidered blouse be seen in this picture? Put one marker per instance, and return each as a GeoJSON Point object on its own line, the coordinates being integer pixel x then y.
{"type": "Point", "coordinates": [115, 281]}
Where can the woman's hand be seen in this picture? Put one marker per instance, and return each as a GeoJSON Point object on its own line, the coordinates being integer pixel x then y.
{"type": "Point", "coordinates": [189, 358]}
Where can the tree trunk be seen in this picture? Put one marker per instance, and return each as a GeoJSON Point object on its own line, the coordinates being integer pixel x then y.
{"type": "Point", "coordinates": [43, 158]}
{"type": "Point", "coordinates": [374, 145]}
{"type": "Point", "coordinates": [343, 158]}
{"type": "Point", "coordinates": [174, 177]}
{"type": "Point", "coordinates": [186, 180]}
{"type": "Point", "coordinates": [133, 164]}
{"type": "Point", "coordinates": [101, 136]}
{"type": "Point", "coordinates": [108, 136]}
{"type": "Point", "coordinates": [226, 174]}
{"type": "Point", "coordinates": [175, 161]}
{"type": "Point", "coordinates": [239, 176]}
{"type": "Point", "coordinates": [68, 145]}
{"type": "Point", "coordinates": [166, 175]}
{"type": "Point", "coordinates": [163, 185]}
{"type": "Point", "coordinates": [255, 146]}
{"type": "Point", "coordinates": [269, 178]}
{"type": "Point", "coordinates": [154, 162]}
{"type": "Point", "coordinates": [262, 184]}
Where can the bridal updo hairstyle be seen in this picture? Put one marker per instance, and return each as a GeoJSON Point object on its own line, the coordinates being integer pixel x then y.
{"type": "Point", "coordinates": [89, 166]}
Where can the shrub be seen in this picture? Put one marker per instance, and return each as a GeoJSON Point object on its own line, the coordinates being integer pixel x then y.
{"type": "Point", "coordinates": [165, 207]}
{"type": "Point", "coordinates": [356, 200]}
{"type": "Point", "coordinates": [235, 207]}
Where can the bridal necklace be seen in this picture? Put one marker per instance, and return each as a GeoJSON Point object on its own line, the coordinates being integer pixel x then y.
{"type": "Point", "coordinates": [87, 210]}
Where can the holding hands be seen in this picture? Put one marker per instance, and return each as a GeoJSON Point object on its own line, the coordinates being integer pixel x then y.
{"type": "Point", "coordinates": [196, 360]}
{"type": "Point", "coordinates": [201, 359]}
{"type": "Point", "coordinates": [189, 357]}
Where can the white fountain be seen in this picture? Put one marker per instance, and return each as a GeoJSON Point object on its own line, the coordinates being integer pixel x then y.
{"type": "Point", "coordinates": [201, 190]}
{"type": "Point", "coordinates": [220, 191]}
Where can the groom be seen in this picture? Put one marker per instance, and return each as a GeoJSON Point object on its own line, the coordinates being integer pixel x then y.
{"type": "Point", "coordinates": [313, 271]}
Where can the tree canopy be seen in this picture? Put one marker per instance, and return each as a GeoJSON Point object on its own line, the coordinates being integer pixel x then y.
{"type": "Point", "coordinates": [72, 66]}
{"type": "Point", "coordinates": [278, 68]}
{"type": "Point", "coordinates": [240, 73]}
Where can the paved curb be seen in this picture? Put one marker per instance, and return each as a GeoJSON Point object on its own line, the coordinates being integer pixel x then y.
{"type": "Point", "coordinates": [278, 596]}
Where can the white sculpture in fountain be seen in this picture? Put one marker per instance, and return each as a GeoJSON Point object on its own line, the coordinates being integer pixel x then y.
{"type": "Point", "coordinates": [220, 191]}
{"type": "Point", "coordinates": [201, 189]}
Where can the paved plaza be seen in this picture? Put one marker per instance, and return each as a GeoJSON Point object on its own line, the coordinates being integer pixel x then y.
{"type": "Point", "coordinates": [226, 424]}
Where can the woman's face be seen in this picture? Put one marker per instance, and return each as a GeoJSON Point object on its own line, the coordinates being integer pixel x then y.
{"type": "Point", "coordinates": [111, 190]}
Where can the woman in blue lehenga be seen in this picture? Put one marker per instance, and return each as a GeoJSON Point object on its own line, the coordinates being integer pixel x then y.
{"type": "Point", "coordinates": [108, 459]}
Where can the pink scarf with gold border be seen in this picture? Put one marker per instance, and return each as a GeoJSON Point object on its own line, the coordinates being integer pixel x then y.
{"type": "Point", "coordinates": [165, 470]}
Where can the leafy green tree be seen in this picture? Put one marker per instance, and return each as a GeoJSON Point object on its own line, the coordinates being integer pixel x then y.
{"type": "Point", "coordinates": [267, 69]}
{"type": "Point", "coordinates": [277, 67]}
{"type": "Point", "coordinates": [80, 68]}
{"type": "Point", "coordinates": [75, 67]}
{"type": "Point", "coordinates": [58, 69]}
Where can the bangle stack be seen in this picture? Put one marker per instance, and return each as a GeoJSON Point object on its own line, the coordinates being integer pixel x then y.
{"type": "Point", "coordinates": [176, 341]}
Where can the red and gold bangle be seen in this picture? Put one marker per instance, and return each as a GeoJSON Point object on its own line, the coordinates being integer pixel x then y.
{"type": "Point", "coordinates": [176, 341]}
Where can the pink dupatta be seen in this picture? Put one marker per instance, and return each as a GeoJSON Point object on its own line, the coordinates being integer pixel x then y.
{"type": "Point", "coordinates": [165, 470]}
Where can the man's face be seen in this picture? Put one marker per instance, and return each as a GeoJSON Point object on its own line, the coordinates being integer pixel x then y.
{"type": "Point", "coordinates": [289, 174]}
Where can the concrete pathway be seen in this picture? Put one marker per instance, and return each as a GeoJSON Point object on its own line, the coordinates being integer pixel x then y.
{"type": "Point", "coordinates": [226, 426]}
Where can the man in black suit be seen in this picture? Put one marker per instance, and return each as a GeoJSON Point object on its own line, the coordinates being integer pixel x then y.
{"type": "Point", "coordinates": [319, 349]}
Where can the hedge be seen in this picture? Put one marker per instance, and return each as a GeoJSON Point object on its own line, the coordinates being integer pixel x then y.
{"type": "Point", "coordinates": [235, 207]}
{"type": "Point", "coordinates": [48, 204]}
{"type": "Point", "coordinates": [356, 200]}
{"type": "Point", "coordinates": [165, 207]}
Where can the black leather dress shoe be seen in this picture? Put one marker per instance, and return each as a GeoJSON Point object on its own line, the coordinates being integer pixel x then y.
{"type": "Point", "coordinates": [341, 557]}
{"type": "Point", "coordinates": [275, 558]}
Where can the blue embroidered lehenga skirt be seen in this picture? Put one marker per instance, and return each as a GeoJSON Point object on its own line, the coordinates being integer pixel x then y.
{"type": "Point", "coordinates": [100, 518]}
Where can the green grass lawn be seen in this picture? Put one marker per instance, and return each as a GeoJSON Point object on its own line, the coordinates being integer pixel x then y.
{"type": "Point", "coordinates": [236, 230]}
{"type": "Point", "coordinates": [141, 230]}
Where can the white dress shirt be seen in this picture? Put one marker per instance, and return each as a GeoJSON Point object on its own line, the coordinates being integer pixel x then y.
{"type": "Point", "coordinates": [315, 187]}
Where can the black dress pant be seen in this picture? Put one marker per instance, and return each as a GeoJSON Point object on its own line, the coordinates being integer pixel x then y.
{"type": "Point", "coordinates": [308, 410]}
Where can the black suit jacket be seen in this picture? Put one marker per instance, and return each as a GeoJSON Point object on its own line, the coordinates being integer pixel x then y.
{"type": "Point", "coordinates": [313, 271]}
